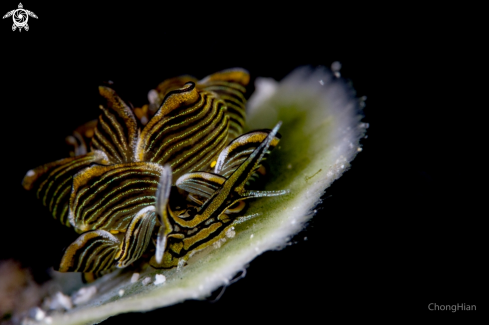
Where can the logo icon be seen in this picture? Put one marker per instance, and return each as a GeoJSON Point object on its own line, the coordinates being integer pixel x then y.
{"type": "Point", "coordinates": [20, 17]}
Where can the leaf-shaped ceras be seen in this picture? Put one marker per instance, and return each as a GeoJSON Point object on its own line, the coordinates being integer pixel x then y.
{"type": "Point", "coordinates": [116, 132]}
{"type": "Point", "coordinates": [52, 182]}
{"type": "Point", "coordinates": [108, 197]}
{"type": "Point", "coordinates": [201, 185]}
{"type": "Point", "coordinates": [228, 85]}
{"type": "Point", "coordinates": [106, 200]}
{"type": "Point", "coordinates": [188, 131]}
{"type": "Point", "coordinates": [96, 250]}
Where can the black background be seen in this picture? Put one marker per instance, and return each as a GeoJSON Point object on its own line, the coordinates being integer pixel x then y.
{"type": "Point", "coordinates": [394, 233]}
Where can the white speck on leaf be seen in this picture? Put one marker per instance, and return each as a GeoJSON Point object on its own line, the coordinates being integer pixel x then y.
{"type": "Point", "coordinates": [180, 265]}
{"type": "Point", "coordinates": [37, 313]}
{"type": "Point", "coordinates": [146, 281]}
{"type": "Point", "coordinates": [159, 279]}
{"type": "Point", "coordinates": [134, 277]}
{"type": "Point", "coordinates": [230, 233]}
{"type": "Point", "coordinates": [60, 301]}
{"type": "Point", "coordinates": [336, 66]}
{"type": "Point", "coordinates": [83, 295]}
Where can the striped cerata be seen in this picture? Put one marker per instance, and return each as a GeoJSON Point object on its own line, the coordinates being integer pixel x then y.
{"type": "Point", "coordinates": [164, 180]}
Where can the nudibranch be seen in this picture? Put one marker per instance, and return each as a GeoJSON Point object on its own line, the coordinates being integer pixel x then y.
{"type": "Point", "coordinates": [169, 178]}
{"type": "Point", "coordinates": [131, 203]}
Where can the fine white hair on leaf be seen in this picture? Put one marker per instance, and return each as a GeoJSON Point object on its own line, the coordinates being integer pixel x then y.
{"type": "Point", "coordinates": [321, 118]}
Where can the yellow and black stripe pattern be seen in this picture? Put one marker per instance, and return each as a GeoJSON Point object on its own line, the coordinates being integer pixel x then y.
{"type": "Point", "coordinates": [108, 197]}
{"type": "Point", "coordinates": [228, 85]}
{"type": "Point", "coordinates": [205, 225]}
{"type": "Point", "coordinates": [116, 132]}
{"type": "Point", "coordinates": [188, 131]}
{"type": "Point", "coordinates": [201, 183]}
{"type": "Point", "coordinates": [137, 237]}
{"type": "Point", "coordinates": [94, 251]}
{"type": "Point", "coordinates": [240, 149]}
{"type": "Point", "coordinates": [186, 231]}
{"type": "Point", "coordinates": [52, 182]}
{"type": "Point", "coordinates": [119, 195]}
